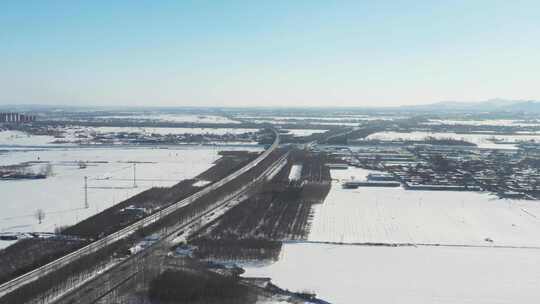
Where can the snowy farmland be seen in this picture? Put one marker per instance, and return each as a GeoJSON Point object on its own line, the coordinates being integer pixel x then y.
{"type": "Point", "coordinates": [335, 118]}
{"type": "Point", "coordinates": [73, 134]}
{"type": "Point", "coordinates": [167, 131]}
{"type": "Point", "coordinates": [484, 122]}
{"type": "Point", "coordinates": [110, 180]}
{"type": "Point", "coordinates": [481, 140]}
{"type": "Point", "coordinates": [301, 121]}
{"type": "Point", "coordinates": [348, 274]}
{"type": "Point", "coordinates": [173, 118]}
{"type": "Point", "coordinates": [18, 138]}
{"type": "Point", "coordinates": [454, 247]}
{"type": "Point", "coordinates": [396, 215]}
{"type": "Point", "coordinates": [304, 132]}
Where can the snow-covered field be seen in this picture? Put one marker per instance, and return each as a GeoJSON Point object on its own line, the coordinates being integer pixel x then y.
{"type": "Point", "coordinates": [73, 134]}
{"type": "Point", "coordinates": [349, 124]}
{"type": "Point", "coordinates": [18, 138]}
{"type": "Point", "coordinates": [336, 118]}
{"type": "Point", "coordinates": [304, 132]}
{"type": "Point", "coordinates": [485, 122]}
{"type": "Point", "coordinates": [396, 215]}
{"type": "Point", "coordinates": [174, 118]}
{"type": "Point", "coordinates": [110, 180]}
{"type": "Point", "coordinates": [462, 247]}
{"type": "Point", "coordinates": [481, 140]}
{"type": "Point", "coordinates": [166, 131]}
{"type": "Point", "coordinates": [348, 274]}
{"type": "Point", "coordinates": [285, 121]}
{"type": "Point", "coordinates": [284, 118]}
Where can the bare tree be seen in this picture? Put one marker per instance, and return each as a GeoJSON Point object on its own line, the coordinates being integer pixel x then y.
{"type": "Point", "coordinates": [40, 215]}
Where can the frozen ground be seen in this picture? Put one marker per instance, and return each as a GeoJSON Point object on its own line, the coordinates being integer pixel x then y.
{"type": "Point", "coordinates": [336, 118]}
{"type": "Point", "coordinates": [110, 180]}
{"type": "Point", "coordinates": [72, 134]}
{"type": "Point", "coordinates": [18, 138]}
{"type": "Point", "coordinates": [410, 275]}
{"type": "Point", "coordinates": [322, 118]}
{"type": "Point", "coordinates": [484, 122]}
{"type": "Point", "coordinates": [304, 132]}
{"type": "Point", "coordinates": [165, 131]}
{"type": "Point", "coordinates": [481, 140]}
{"type": "Point", "coordinates": [174, 118]}
{"type": "Point", "coordinates": [395, 215]}
{"type": "Point", "coordinates": [455, 264]}
{"type": "Point", "coordinates": [285, 121]}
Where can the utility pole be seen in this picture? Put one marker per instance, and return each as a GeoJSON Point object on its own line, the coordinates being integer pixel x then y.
{"type": "Point", "coordinates": [134, 175]}
{"type": "Point", "coordinates": [86, 192]}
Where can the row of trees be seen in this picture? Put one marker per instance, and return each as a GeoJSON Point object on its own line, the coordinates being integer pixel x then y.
{"type": "Point", "coordinates": [278, 211]}
{"type": "Point", "coordinates": [183, 286]}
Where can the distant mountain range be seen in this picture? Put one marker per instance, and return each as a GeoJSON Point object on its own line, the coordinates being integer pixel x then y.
{"type": "Point", "coordinates": [491, 105]}
{"type": "Point", "coordinates": [497, 105]}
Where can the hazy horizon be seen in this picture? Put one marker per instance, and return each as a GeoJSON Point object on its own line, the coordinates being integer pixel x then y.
{"type": "Point", "coordinates": [388, 107]}
{"type": "Point", "coordinates": [273, 54]}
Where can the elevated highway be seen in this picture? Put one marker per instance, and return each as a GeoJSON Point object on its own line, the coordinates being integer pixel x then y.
{"type": "Point", "coordinates": [129, 230]}
{"type": "Point", "coordinates": [99, 287]}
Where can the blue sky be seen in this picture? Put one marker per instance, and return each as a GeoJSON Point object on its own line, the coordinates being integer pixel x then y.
{"type": "Point", "coordinates": [279, 53]}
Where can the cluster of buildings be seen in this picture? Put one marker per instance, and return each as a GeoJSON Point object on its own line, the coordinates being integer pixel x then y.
{"type": "Point", "coordinates": [512, 174]}
{"type": "Point", "coordinates": [436, 168]}
{"type": "Point", "coordinates": [16, 118]}
{"type": "Point", "coordinates": [140, 137]}
{"type": "Point", "coordinates": [506, 173]}
{"type": "Point", "coordinates": [425, 178]}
